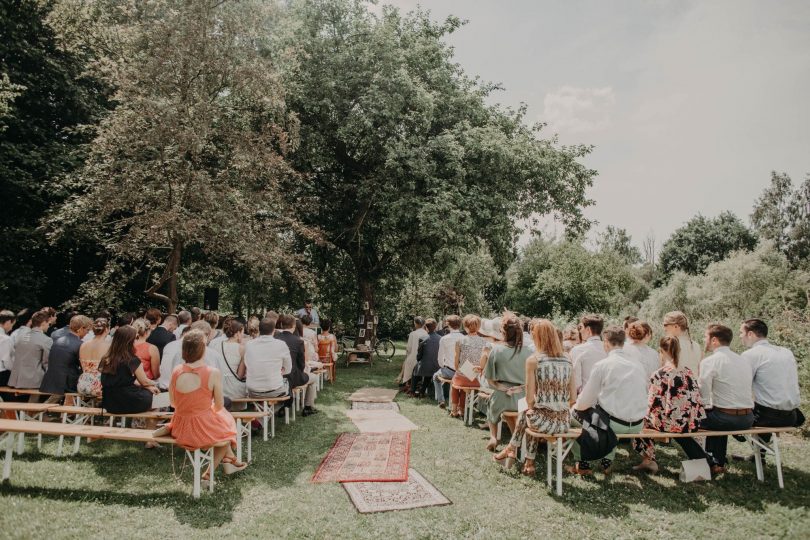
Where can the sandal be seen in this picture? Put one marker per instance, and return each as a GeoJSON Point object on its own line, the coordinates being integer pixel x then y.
{"type": "Point", "coordinates": [505, 457]}
{"type": "Point", "coordinates": [529, 469]}
{"type": "Point", "coordinates": [231, 466]}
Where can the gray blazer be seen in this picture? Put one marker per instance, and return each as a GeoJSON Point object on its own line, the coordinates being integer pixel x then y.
{"type": "Point", "coordinates": [30, 360]}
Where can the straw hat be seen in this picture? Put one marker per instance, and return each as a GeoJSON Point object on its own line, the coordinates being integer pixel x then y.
{"type": "Point", "coordinates": [491, 328]}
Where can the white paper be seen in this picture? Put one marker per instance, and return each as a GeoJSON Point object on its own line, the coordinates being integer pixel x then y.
{"type": "Point", "coordinates": [466, 369]}
{"type": "Point", "coordinates": [522, 405]}
{"type": "Point", "coordinates": [161, 400]}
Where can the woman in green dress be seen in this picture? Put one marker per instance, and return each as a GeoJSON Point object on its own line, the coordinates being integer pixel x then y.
{"type": "Point", "coordinates": [505, 371]}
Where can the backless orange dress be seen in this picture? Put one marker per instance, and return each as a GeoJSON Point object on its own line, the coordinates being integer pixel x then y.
{"type": "Point", "coordinates": [195, 423]}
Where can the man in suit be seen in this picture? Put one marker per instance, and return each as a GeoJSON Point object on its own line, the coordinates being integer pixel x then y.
{"type": "Point", "coordinates": [163, 334]}
{"type": "Point", "coordinates": [427, 359]}
{"type": "Point", "coordinates": [297, 376]}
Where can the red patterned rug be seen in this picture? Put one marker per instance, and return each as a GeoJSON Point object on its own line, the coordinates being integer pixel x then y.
{"type": "Point", "coordinates": [366, 457]}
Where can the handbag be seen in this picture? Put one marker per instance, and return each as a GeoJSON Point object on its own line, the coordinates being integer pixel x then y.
{"type": "Point", "coordinates": [693, 470]}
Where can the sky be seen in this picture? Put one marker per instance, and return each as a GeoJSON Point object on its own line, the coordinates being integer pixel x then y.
{"type": "Point", "coordinates": [689, 105]}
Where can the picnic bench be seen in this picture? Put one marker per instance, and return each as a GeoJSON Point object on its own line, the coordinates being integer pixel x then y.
{"type": "Point", "coordinates": [268, 406]}
{"type": "Point", "coordinates": [563, 443]}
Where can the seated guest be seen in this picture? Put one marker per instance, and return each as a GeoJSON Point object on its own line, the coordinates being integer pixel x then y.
{"type": "Point", "coordinates": [7, 319]}
{"type": "Point", "coordinates": [252, 331]}
{"type": "Point", "coordinates": [267, 359]}
{"type": "Point", "coordinates": [590, 351]}
{"type": "Point", "coordinates": [232, 360]}
{"type": "Point", "coordinates": [221, 333]}
{"type": "Point", "coordinates": [200, 419]}
{"type": "Point", "coordinates": [675, 406]}
{"type": "Point", "coordinates": [90, 354]}
{"type": "Point", "coordinates": [183, 320]}
{"type": "Point", "coordinates": [31, 352]}
{"type": "Point", "coordinates": [570, 339]}
{"type": "Point", "coordinates": [726, 386]}
{"type": "Point", "coordinates": [310, 338]}
{"type": "Point", "coordinates": [427, 359]}
{"type": "Point", "coordinates": [171, 358]}
{"type": "Point", "coordinates": [62, 324]}
{"type": "Point", "coordinates": [145, 351]}
{"type": "Point", "coordinates": [297, 375]}
{"type": "Point", "coordinates": [196, 314]}
{"type": "Point", "coordinates": [64, 366]}
{"type": "Point", "coordinates": [327, 343]}
{"type": "Point", "coordinates": [23, 324]}
{"type": "Point", "coordinates": [637, 348]}
{"type": "Point", "coordinates": [120, 368]}
{"type": "Point", "coordinates": [550, 393]}
{"type": "Point", "coordinates": [468, 349]}
{"type": "Point", "coordinates": [619, 386]}
{"type": "Point", "coordinates": [447, 357]}
{"type": "Point", "coordinates": [677, 325]}
{"type": "Point", "coordinates": [411, 349]}
{"type": "Point", "coordinates": [505, 372]}
{"type": "Point", "coordinates": [212, 318]}
{"type": "Point", "coordinates": [163, 334]}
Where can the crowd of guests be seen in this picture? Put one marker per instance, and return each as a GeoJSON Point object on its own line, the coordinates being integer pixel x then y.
{"type": "Point", "coordinates": [606, 379]}
{"type": "Point", "coordinates": [202, 360]}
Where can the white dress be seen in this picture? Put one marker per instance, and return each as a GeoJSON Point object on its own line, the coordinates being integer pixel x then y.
{"type": "Point", "coordinates": [232, 387]}
{"type": "Point", "coordinates": [410, 353]}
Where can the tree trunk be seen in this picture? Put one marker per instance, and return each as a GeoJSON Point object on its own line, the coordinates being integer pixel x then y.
{"type": "Point", "coordinates": [368, 312]}
{"type": "Point", "coordinates": [169, 276]}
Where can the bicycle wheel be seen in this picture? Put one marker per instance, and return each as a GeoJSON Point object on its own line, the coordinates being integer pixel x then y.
{"type": "Point", "coordinates": [385, 349]}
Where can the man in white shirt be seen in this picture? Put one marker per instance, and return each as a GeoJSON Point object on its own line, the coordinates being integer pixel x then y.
{"type": "Point", "coordinates": [447, 357]}
{"type": "Point", "coordinates": [725, 380]}
{"type": "Point", "coordinates": [618, 385]}
{"type": "Point", "coordinates": [7, 319]}
{"type": "Point", "coordinates": [267, 359]}
{"type": "Point", "coordinates": [171, 358]}
{"type": "Point", "coordinates": [183, 320]}
{"type": "Point", "coordinates": [411, 349]}
{"type": "Point", "coordinates": [585, 355]}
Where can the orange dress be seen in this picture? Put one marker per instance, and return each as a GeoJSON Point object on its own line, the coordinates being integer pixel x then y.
{"type": "Point", "coordinates": [142, 352]}
{"type": "Point", "coordinates": [195, 423]}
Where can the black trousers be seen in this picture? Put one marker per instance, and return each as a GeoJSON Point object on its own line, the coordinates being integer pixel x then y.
{"type": "Point", "coordinates": [767, 417]}
{"type": "Point", "coordinates": [715, 420]}
{"type": "Point", "coordinates": [419, 385]}
{"type": "Point", "coordinates": [690, 447]}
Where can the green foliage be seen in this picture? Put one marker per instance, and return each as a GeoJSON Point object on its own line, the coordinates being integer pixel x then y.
{"type": "Point", "coordinates": [782, 215]}
{"type": "Point", "coordinates": [703, 241]}
{"type": "Point", "coordinates": [565, 278]}
{"type": "Point", "coordinates": [616, 240]}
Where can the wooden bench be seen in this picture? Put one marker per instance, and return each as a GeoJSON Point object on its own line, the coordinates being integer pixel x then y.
{"type": "Point", "coordinates": [268, 406]}
{"type": "Point", "coordinates": [71, 398]}
{"type": "Point", "coordinates": [565, 441]}
{"type": "Point", "coordinates": [472, 393]}
{"type": "Point", "coordinates": [199, 458]}
{"type": "Point", "coordinates": [298, 395]}
{"type": "Point", "coordinates": [27, 411]}
{"type": "Point", "coordinates": [331, 368]}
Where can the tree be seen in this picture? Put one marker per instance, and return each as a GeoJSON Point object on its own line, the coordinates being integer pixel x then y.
{"type": "Point", "coordinates": [616, 240]}
{"type": "Point", "coordinates": [703, 241]}
{"type": "Point", "coordinates": [406, 157]}
{"type": "Point", "coordinates": [190, 166]}
{"type": "Point", "coordinates": [782, 216]}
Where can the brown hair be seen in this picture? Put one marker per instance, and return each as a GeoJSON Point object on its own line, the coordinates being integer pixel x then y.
{"type": "Point", "coordinates": [454, 322]}
{"type": "Point", "coordinates": [286, 321]}
{"type": "Point", "coordinates": [268, 325]}
{"type": "Point", "coordinates": [153, 316]}
{"type": "Point", "coordinates": [232, 328]}
{"type": "Point", "coordinates": [512, 330]}
{"type": "Point", "coordinates": [638, 330]}
{"type": "Point", "coordinates": [39, 317]}
{"type": "Point", "coordinates": [194, 344]}
{"type": "Point", "coordinates": [757, 326]}
{"type": "Point", "coordinates": [594, 322]}
{"type": "Point", "coordinates": [100, 325]}
{"type": "Point", "coordinates": [472, 323]}
{"type": "Point", "coordinates": [78, 322]}
{"type": "Point", "coordinates": [430, 325]}
{"type": "Point", "coordinates": [629, 320]}
{"type": "Point", "coordinates": [723, 333]}
{"type": "Point", "coordinates": [212, 318]}
{"type": "Point", "coordinates": [614, 335]}
{"type": "Point", "coordinates": [121, 351]}
{"type": "Point", "coordinates": [546, 338]}
{"type": "Point", "coordinates": [672, 347]}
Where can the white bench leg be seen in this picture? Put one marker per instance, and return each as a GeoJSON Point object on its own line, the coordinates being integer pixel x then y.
{"type": "Point", "coordinates": [559, 465]}
{"type": "Point", "coordinates": [755, 446]}
{"type": "Point", "coordinates": [239, 433]}
{"type": "Point", "coordinates": [8, 439]}
{"type": "Point", "coordinates": [498, 433]}
{"type": "Point", "coordinates": [263, 408]}
{"type": "Point", "coordinates": [250, 444]}
{"type": "Point", "coordinates": [777, 456]}
{"type": "Point", "coordinates": [195, 463]}
{"type": "Point", "coordinates": [548, 463]}
{"type": "Point", "coordinates": [286, 415]}
{"type": "Point", "coordinates": [76, 442]}
{"type": "Point", "coordinates": [61, 437]}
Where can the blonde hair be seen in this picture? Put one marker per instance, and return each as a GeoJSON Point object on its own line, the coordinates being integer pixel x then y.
{"type": "Point", "coordinates": [194, 343]}
{"type": "Point", "coordinates": [546, 338]}
{"type": "Point", "coordinates": [141, 327]}
{"type": "Point", "coordinates": [678, 318]}
{"type": "Point", "coordinates": [472, 323]}
{"type": "Point", "coordinates": [80, 321]}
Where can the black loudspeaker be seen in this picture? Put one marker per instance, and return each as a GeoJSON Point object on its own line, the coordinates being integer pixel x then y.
{"type": "Point", "coordinates": [211, 299]}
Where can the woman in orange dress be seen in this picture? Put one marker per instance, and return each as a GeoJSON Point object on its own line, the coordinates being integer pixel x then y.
{"type": "Point", "coordinates": [327, 347]}
{"type": "Point", "coordinates": [200, 419]}
{"type": "Point", "coordinates": [146, 352]}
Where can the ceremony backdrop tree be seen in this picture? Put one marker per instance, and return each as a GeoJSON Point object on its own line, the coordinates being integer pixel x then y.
{"type": "Point", "coordinates": [190, 166]}
{"type": "Point", "coordinates": [405, 155]}
{"type": "Point", "coordinates": [782, 215]}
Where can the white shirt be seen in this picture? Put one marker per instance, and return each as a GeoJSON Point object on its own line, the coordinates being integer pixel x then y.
{"type": "Point", "coordinates": [691, 353]}
{"type": "Point", "coordinates": [618, 384]}
{"type": "Point", "coordinates": [265, 357]}
{"type": "Point", "coordinates": [726, 380]}
{"type": "Point", "coordinates": [171, 359]}
{"type": "Point", "coordinates": [310, 344]}
{"type": "Point", "coordinates": [644, 355]}
{"type": "Point", "coordinates": [528, 342]}
{"type": "Point", "coordinates": [776, 379]}
{"type": "Point", "coordinates": [217, 340]}
{"type": "Point", "coordinates": [6, 351]}
{"type": "Point", "coordinates": [413, 344]}
{"type": "Point", "coordinates": [584, 357]}
{"type": "Point", "coordinates": [179, 332]}
{"type": "Point", "coordinates": [447, 348]}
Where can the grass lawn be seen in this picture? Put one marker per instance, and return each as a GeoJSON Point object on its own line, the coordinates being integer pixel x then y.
{"type": "Point", "coordinates": [121, 490]}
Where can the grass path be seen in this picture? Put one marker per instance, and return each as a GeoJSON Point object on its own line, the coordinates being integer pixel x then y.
{"type": "Point", "coordinates": [119, 490]}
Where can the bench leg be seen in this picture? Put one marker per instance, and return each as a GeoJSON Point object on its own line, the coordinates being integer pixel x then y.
{"type": "Point", "coordinates": [112, 421]}
{"type": "Point", "coordinates": [239, 433]}
{"type": "Point", "coordinates": [263, 408]}
{"type": "Point", "coordinates": [39, 435]}
{"type": "Point", "coordinates": [61, 437]}
{"type": "Point", "coordinates": [195, 463]}
{"type": "Point", "coordinates": [272, 420]}
{"type": "Point", "coordinates": [250, 444]}
{"type": "Point", "coordinates": [286, 415]}
{"type": "Point", "coordinates": [777, 456]}
{"type": "Point", "coordinates": [755, 444]}
{"type": "Point", "coordinates": [559, 465]}
{"type": "Point", "coordinates": [76, 442]}
{"type": "Point", "coordinates": [8, 439]}
{"type": "Point", "coordinates": [500, 426]}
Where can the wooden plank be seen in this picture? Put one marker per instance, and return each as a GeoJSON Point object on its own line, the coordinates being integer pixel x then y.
{"type": "Point", "coordinates": [652, 434]}
{"type": "Point", "coordinates": [22, 391]}
{"type": "Point", "coordinates": [281, 399]}
{"type": "Point", "coordinates": [73, 430]}
{"type": "Point", "coordinates": [26, 407]}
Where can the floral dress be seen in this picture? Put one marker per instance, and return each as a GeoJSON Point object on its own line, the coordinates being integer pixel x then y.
{"type": "Point", "coordinates": [675, 406]}
{"type": "Point", "coordinates": [89, 384]}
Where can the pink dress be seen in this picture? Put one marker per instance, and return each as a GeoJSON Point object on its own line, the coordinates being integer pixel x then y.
{"type": "Point", "coordinates": [195, 423]}
{"type": "Point", "coordinates": [142, 352]}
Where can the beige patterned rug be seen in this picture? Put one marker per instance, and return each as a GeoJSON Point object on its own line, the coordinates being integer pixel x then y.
{"type": "Point", "coordinates": [366, 457]}
{"type": "Point", "coordinates": [377, 395]}
{"type": "Point", "coordinates": [374, 406]}
{"type": "Point", "coordinates": [376, 421]}
{"type": "Point", "coordinates": [370, 497]}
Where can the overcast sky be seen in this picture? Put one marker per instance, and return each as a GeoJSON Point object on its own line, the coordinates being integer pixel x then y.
{"type": "Point", "coordinates": [690, 105]}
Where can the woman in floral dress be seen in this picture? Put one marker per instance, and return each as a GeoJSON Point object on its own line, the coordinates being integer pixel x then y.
{"type": "Point", "coordinates": [675, 406]}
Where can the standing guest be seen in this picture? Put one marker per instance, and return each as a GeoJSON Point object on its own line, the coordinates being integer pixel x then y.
{"type": "Point", "coordinates": [267, 359]}
{"type": "Point", "coordinates": [7, 319]}
{"type": "Point", "coordinates": [64, 366]}
{"type": "Point", "coordinates": [619, 386]}
{"type": "Point", "coordinates": [312, 312]}
{"type": "Point", "coordinates": [31, 353]}
{"type": "Point", "coordinates": [505, 372]}
{"type": "Point", "coordinates": [183, 320]}
{"type": "Point", "coordinates": [468, 349]}
{"type": "Point", "coordinates": [637, 348]}
{"type": "Point", "coordinates": [445, 328]}
{"type": "Point", "coordinates": [550, 393]}
{"type": "Point", "coordinates": [411, 350]}
{"type": "Point", "coordinates": [163, 334]}
{"type": "Point", "coordinates": [726, 386]}
{"type": "Point", "coordinates": [172, 357]}
{"type": "Point", "coordinates": [675, 406]}
{"type": "Point", "coordinates": [23, 324]}
{"type": "Point", "coordinates": [200, 419]}
{"type": "Point", "coordinates": [148, 353]}
{"type": "Point", "coordinates": [125, 319]}
{"type": "Point", "coordinates": [427, 360]}
{"type": "Point", "coordinates": [677, 325]}
{"type": "Point", "coordinates": [310, 337]}
{"type": "Point", "coordinates": [90, 355]}
{"type": "Point", "coordinates": [297, 375]}
{"type": "Point", "coordinates": [590, 351]}
{"type": "Point", "coordinates": [120, 368]}
{"type": "Point", "coordinates": [447, 357]}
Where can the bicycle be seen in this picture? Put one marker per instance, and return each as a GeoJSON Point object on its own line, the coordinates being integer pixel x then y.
{"type": "Point", "coordinates": [383, 348]}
